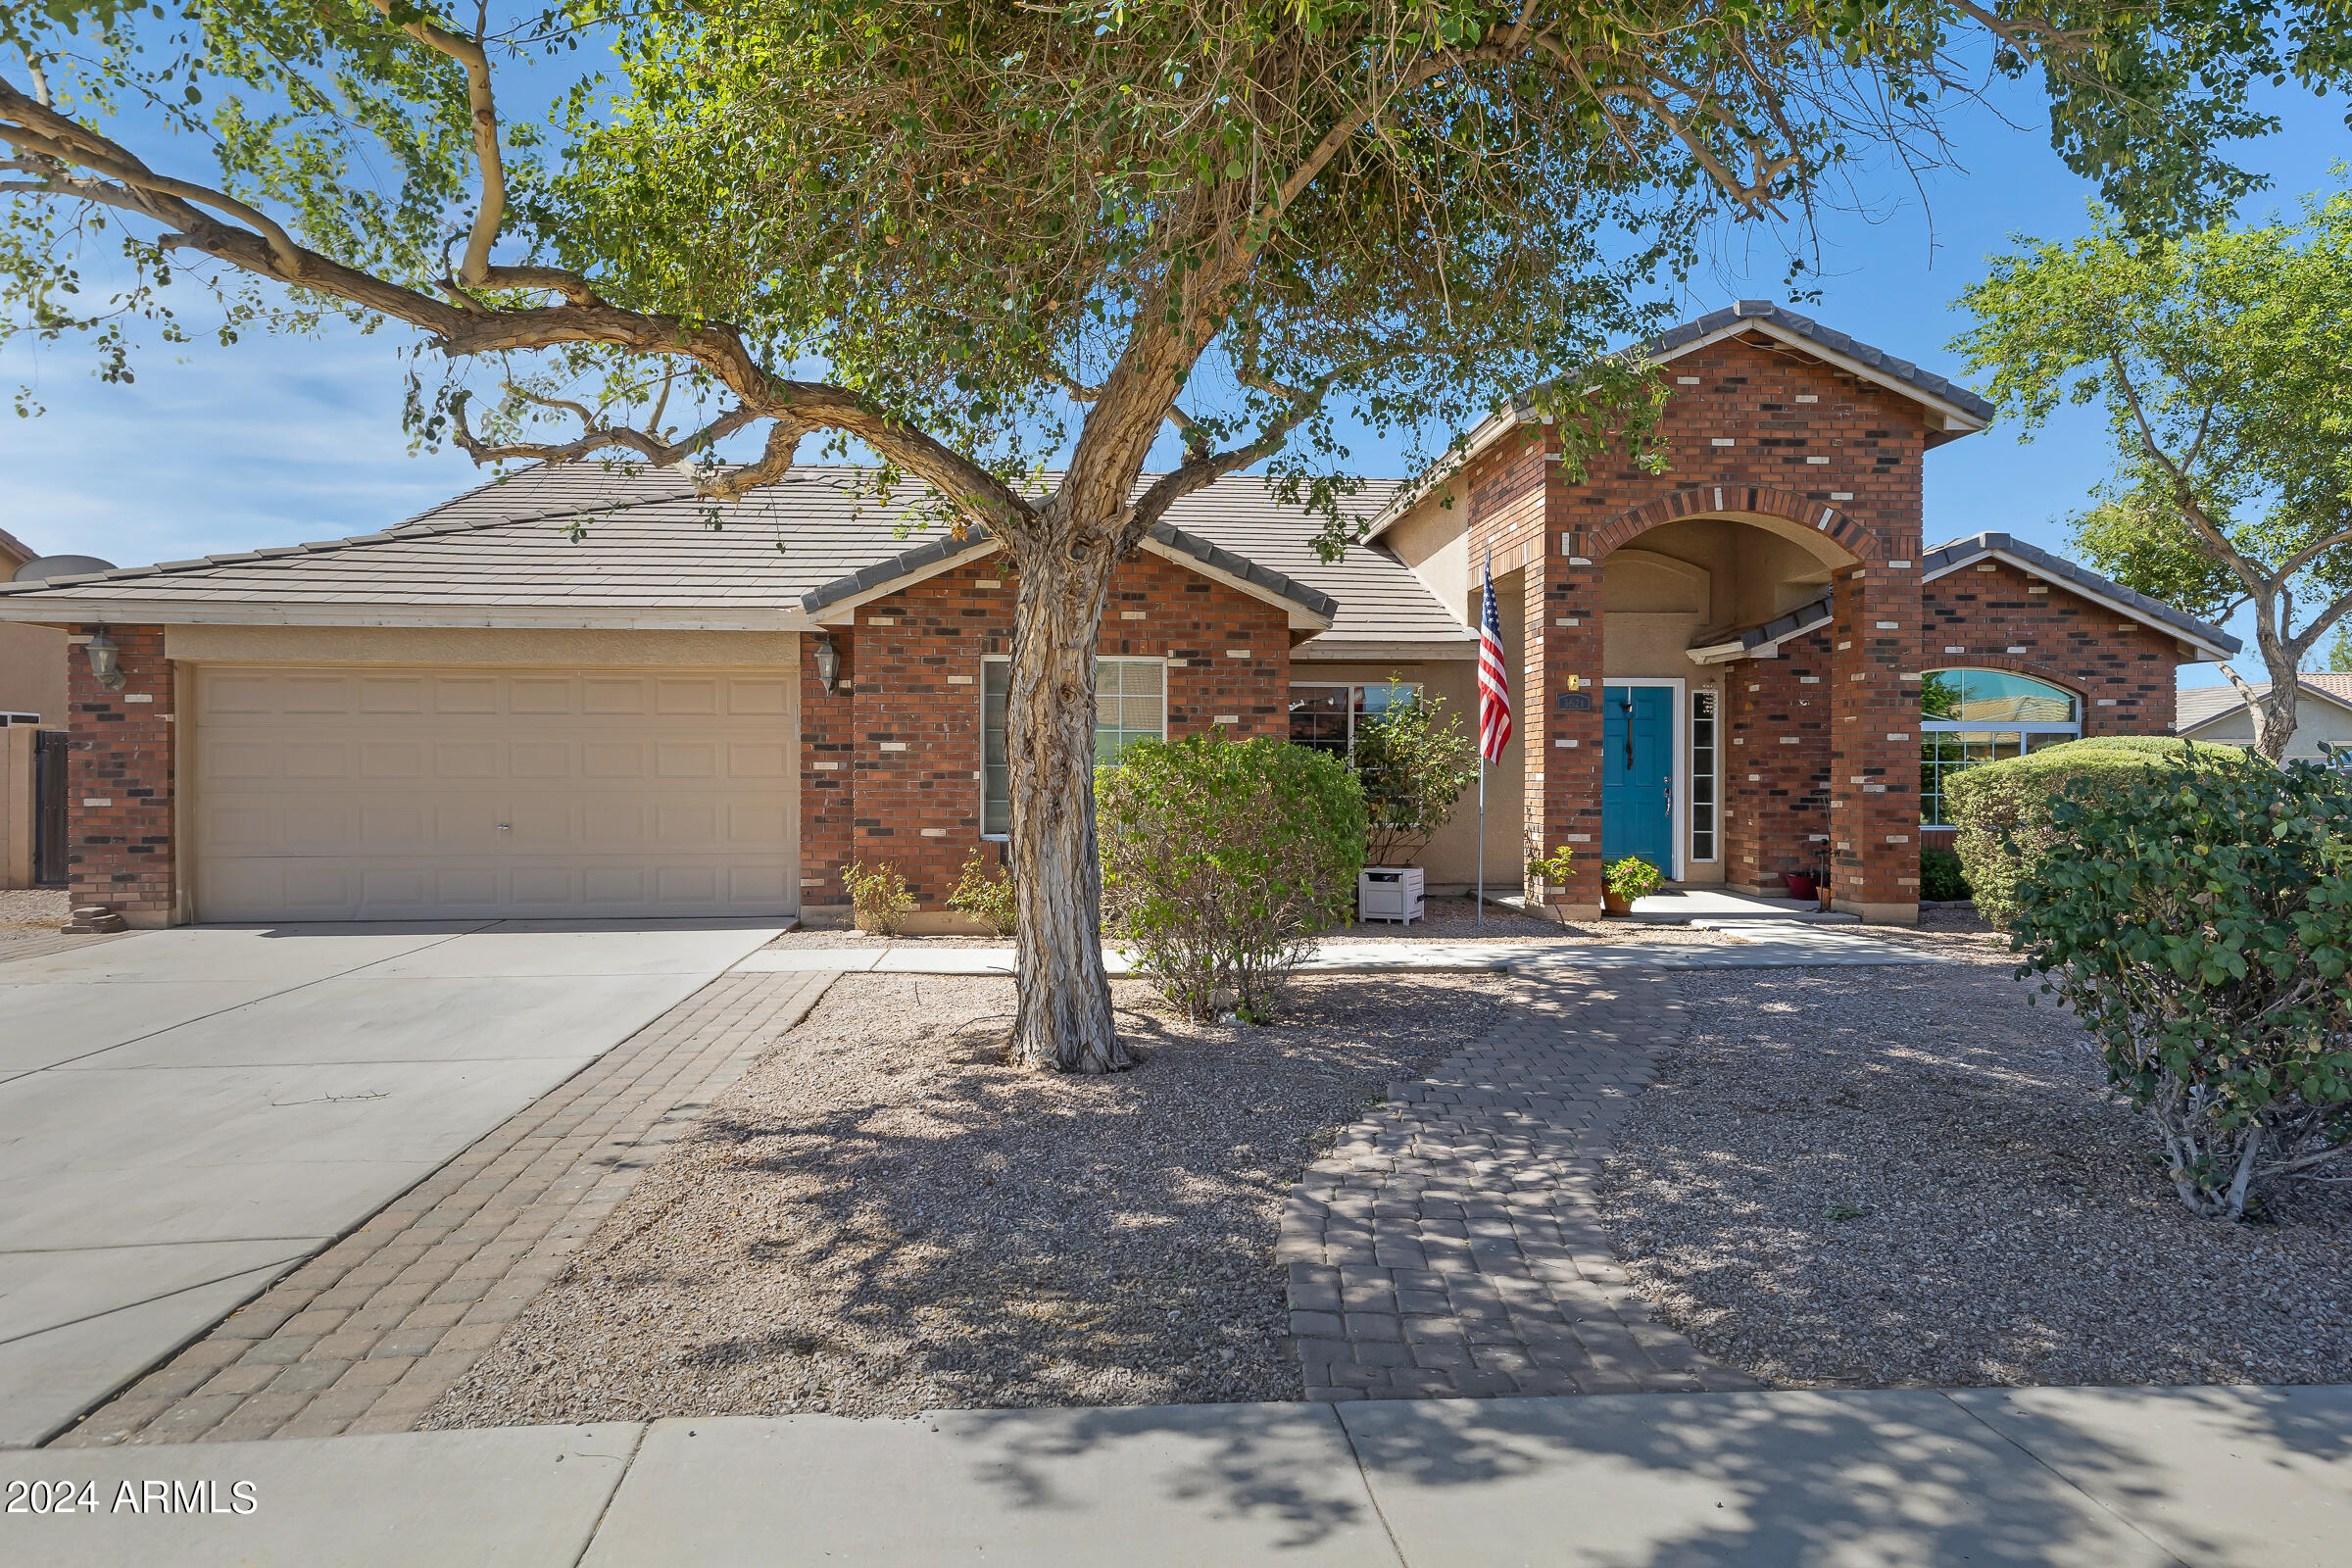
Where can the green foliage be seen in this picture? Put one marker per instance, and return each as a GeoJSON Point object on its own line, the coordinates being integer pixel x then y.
{"type": "Point", "coordinates": [1940, 875]}
{"type": "Point", "coordinates": [2339, 656]}
{"type": "Point", "coordinates": [1414, 760]}
{"type": "Point", "coordinates": [2223, 361]}
{"type": "Point", "coordinates": [987, 896]}
{"type": "Point", "coordinates": [2002, 809]}
{"type": "Point", "coordinates": [951, 206]}
{"type": "Point", "coordinates": [878, 898]}
{"type": "Point", "coordinates": [2198, 920]}
{"type": "Point", "coordinates": [1222, 860]}
{"type": "Point", "coordinates": [1555, 867]}
{"type": "Point", "coordinates": [1632, 878]}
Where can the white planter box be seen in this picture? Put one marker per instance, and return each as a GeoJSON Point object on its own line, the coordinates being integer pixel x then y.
{"type": "Point", "coordinates": [1389, 893]}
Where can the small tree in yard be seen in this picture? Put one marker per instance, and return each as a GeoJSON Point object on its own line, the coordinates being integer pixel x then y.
{"type": "Point", "coordinates": [1223, 859]}
{"type": "Point", "coordinates": [1414, 760]}
{"type": "Point", "coordinates": [2199, 923]}
{"type": "Point", "coordinates": [2224, 361]}
{"type": "Point", "coordinates": [975, 238]}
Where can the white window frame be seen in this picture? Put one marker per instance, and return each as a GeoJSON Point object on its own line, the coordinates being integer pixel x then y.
{"type": "Point", "coordinates": [980, 773]}
{"type": "Point", "coordinates": [1714, 771]}
{"type": "Point", "coordinates": [1351, 687]}
{"type": "Point", "coordinates": [1679, 741]}
{"type": "Point", "coordinates": [1986, 726]}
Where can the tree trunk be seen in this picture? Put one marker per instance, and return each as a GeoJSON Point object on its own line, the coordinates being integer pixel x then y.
{"type": "Point", "coordinates": [1064, 1016]}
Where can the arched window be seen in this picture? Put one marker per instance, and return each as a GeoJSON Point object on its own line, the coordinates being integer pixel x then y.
{"type": "Point", "coordinates": [1969, 717]}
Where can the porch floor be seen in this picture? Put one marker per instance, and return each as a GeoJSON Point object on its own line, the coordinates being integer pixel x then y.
{"type": "Point", "coordinates": [1706, 907]}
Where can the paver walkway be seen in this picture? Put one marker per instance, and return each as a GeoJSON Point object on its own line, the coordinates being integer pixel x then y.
{"type": "Point", "coordinates": [369, 1334]}
{"type": "Point", "coordinates": [1449, 1244]}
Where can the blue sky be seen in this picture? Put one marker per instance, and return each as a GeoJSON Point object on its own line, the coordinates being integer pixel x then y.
{"type": "Point", "coordinates": [276, 441]}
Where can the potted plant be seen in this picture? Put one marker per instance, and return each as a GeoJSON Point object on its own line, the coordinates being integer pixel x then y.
{"type": "Point", "coordinates": [1626, 880]}
{"type": "Point", "coordinates": [1550, 873]}
{"type": "Point", "coordinates": [1800, 884]}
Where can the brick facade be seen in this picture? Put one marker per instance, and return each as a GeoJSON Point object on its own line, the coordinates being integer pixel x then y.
{"type": "Point", "coordinates": [1990, 615]}
{"type": "Point", "coordinates": [1776, 765]}
{"type": "Point", "coordinates": [1747, 429]}
{"type": "Point", "coordinates": [120, 782]}
{"type": "Point", "coordinates": [910, 724]}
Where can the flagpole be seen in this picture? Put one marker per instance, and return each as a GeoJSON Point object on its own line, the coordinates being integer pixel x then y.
{"type": "Point", "coordinates": [1481, 922]}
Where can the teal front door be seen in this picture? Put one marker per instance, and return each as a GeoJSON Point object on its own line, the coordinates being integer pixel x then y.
{"type": "Point", "coordinates": [1637, 774]}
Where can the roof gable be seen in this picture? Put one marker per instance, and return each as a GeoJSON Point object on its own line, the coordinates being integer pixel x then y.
{"type": "Point", "coordinates": [2035, 561]}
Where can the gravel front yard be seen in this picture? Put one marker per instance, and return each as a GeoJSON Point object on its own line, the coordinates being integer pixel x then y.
{"type": "Point", "coordinates": [881, 1218]}
{"type": "Point", "coordinates": [1890, 1177]}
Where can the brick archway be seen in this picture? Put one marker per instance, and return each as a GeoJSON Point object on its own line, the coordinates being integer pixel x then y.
{"type": "Point", "coordinates": [1849, 533]}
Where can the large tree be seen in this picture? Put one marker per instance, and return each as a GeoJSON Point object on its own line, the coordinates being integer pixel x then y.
{"type": "Point", "coordinates": [971, 235]}
{"type": "Point", "coordinates": [2224, 362]}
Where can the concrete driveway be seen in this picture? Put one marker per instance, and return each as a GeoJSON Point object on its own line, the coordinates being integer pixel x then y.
{"type": "Point", "coordinates": [186, 1114]}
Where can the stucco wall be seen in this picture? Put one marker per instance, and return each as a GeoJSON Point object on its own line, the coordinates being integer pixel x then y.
{"type": "Point", "coordinates": [32, 672]}
{"type": "Point", "coordinates": [2317, 719]}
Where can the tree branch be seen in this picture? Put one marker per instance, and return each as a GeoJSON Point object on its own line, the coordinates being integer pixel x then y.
{"type": "Point", "coordinates": [482, 109]}
{"type": "Point", "coordinates": [1080, 392]}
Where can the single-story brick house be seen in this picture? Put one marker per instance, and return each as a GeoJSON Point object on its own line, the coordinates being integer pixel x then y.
{"type": "Point", "coordinates": [1748, 664]}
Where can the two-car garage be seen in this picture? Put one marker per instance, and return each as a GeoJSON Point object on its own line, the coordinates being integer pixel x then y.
{"type": "Point", "coordinates": [369, 791]}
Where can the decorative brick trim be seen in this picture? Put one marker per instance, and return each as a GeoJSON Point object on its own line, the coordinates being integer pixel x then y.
{"type": "Point", "coordinates": [1858, 538]}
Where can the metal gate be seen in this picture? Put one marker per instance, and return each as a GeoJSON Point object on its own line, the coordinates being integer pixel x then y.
{"type": "Point", "coordinates": [49, 807]}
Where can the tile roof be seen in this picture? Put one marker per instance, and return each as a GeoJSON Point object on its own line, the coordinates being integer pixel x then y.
{"type": "Point", "coordinates": [648, 547]}
{"type": "Point", "coordinates": [1669, 342]}
{"type": "Point", "coordinates": [2201, 705]}
{"type": "Point", "coordinates": [1960, 552]}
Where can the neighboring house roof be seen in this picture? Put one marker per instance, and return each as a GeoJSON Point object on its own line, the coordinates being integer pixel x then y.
{"type": "Point", "coordinates": [14, 553]}
{"type": "Point", "coordinates": [1959, 411]}
{"type": "Point", "coordinates": [2201, 706]}
{"type": "Point", "coordinates": [2036, 561]}
{"type": "Point", "coordinates": [504, 555]}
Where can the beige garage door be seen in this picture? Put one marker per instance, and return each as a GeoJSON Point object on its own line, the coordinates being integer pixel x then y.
{"type": "Point", "coordinates": [386, 794]}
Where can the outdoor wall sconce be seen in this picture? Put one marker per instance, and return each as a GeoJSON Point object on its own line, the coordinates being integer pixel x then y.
{"type": "Point", "coordinates": [106, 659]}
{"type": "Point", "coordinates": [828, 663]}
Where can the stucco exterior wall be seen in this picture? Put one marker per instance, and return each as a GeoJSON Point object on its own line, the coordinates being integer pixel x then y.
{"type": "Point", "coordinates": [32, 672]}
{"type": "Point", "coordinates": [2317, 719]}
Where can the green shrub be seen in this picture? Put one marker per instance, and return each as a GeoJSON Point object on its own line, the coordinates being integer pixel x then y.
{"type": "Point", "coordinates": [2198, 919]}
{"type": "Point", "coordinates": [1222, 860]}
{"type": "Point", "coordinates": [1413, 760]}
{"type": "Point", "coordinates": [986, 895]}
{"type": "Point", "coordinates": [1940, 876]}
{"type": "Point", "coordinates": [878, 898]}
{"type": "Point", "coordinates": [1632, 877]}
{"type": "Point", "coordinates": [2002, 808]}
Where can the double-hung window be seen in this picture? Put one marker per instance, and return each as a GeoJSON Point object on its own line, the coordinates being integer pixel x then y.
{"type": "Point", "coordinates": [1972, 716]}
{"type": "Point", "coordinates": [1131, 704]}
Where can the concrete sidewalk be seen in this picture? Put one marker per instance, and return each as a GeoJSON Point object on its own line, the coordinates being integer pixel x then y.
{"type": "Point", "coordinates": [1753, 944]}
{"type": "Point", "coordinates": [2258, 1477]}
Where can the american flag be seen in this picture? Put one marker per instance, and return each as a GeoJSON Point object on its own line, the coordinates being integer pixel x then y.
{"type": "Point", "coordinates": [1493, 679]}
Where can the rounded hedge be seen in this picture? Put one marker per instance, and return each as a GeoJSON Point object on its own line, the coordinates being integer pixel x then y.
{"type": "Point", "coordinates": [2002, 809]}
